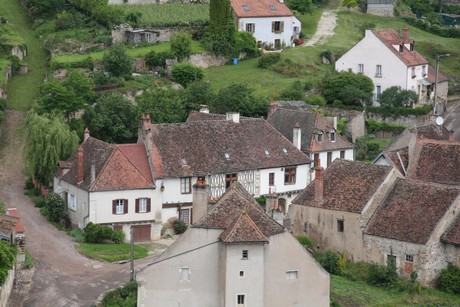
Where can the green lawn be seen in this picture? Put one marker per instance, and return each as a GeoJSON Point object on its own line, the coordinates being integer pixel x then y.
{"type": "Point", "coordinates": [111, 252]}
{"type": "Point", "coordinates": [23, 89]}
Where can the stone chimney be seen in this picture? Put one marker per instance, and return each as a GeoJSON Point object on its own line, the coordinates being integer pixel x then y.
{"type": "Point", "coordinates": [271, 203]}
{"type": "Point", "coordinates": [93, 171]}
{"type": "Point", "coordinates": [86, 134]}
{"type": "Point", "coordinates": [405, 33]}
{"type": "Point", "coordinates": [451, 135]}
{"type": "Point", "coordinates": [233, 117]}
{"type": "Point", "coordinates": [333, 121]}
{"type": "Point", "coordinates": [297, 136]}
{"type": "Point", "coordinates": [200, 199]}
{"type": "Point", "coordinates": [319, 184]}
{"type": "Point", "coordinates": [79, 177]}
{"type": "Point", "coordinates": [204, 108]}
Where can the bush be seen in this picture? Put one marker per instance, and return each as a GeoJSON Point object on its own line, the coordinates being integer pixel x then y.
{"type": "Point", "coordinates": [184, 73]}
{"type": "Point", "coordinates": [316, 100]}
{"type": "Point", "coordinates": [95, 233]}
{"type": "Point", "coordinates": [40, 202]}
{"type": "Point", "coordinates": [125, 296]}
{"type": "Point", "coordinates": [305, 241]}
{"type": "Point", "coordinates": [29, 261]}
{"type": "Point", "coordinates": [449, 279]}
{"type": "Point", "coordinates": [329, 261]}
{"type": "Point", "coordinates": [7, 259]}
{"type": "Point", "coordinates": [294, 92]}
{"type": "Point", "coordinates": [117, 62]}
{"type": "Point", "coordinates": [351, 89]}
{"type": "Point", "coordinates": [379, 275]}
{"type": "Point", "coordinates": [55, 207]}
{"type": "Point", "coordinates": [179, 226]}
{"type": "Point", "coordinates": [394, 96]}
{"type": "Point", "coordinates": [374, 126]}
{"type": "Point", "coordinates": [180, 44]}
{"type": "Point", "coordinates": [268, 59]}
{"type": "Point", "coordinates": [245, 43]}
{"type": "Point", "coordinates": [399, 112]}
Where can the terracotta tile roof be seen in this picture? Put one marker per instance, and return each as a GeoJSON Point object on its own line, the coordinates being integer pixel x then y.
{"type": "Point", "coordinates": [432, 75]}
{"type": "Point", "coordinates": [391, 37]}
{"type": "Point", "coordinates": [399, 158]}
{"type": "Point", "coordinates": [430, 131]}
{"type": "Point", "coordinates": [284, 121]}
{"type": "Point", "coordinates": [117, 167]}
{"type": "Point", "coordinates": [259, 8]}
{"type": "Point", "coordinates": [198, 116]}
{"type": "Point", "coordinates": [8, 223]}
{"type": "Point", "coordinates": [220, 146]}
{"type": "Point", "coordinates": [348, 186]}
{"type": "Point", "coordinates": [241, 217]}
{"type": "Point", "coordinates": [19, 225]}
{"type": "Point", "coordinates": [452, 235]}
{"type": "Point", "coordinates": [411, 211]}
{"type": "Point", "coordinates": [436, 161]}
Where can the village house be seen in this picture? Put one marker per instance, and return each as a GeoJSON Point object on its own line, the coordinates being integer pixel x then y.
{"type": "Point", "coordinates": [234, 255]}
{"type": "Point", "coordinates": [270, 21]}
{"type": "Point", "coordinates": [312, 134]}
{"type": "Point", "coordinates": [390, 59]}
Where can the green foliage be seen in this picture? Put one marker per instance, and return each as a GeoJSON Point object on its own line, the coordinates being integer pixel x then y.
{"type": "Point", "coordinates": [261, 201]}
{"type": "Point", "coordinates": [245, 43]}
{"type": "Point", "coordinates": [239, 98]}
{"type": "Point", "coordinates": [185, 73]}
{"type": "Point", "coordinates": [196, 94]}
{"type": "Point", "coordinates": [55, 207]}
{"type": "Point", "coordinates": [329, 261]}
{"type": "Point", "coordinates": [394, 96]}
{"type": "Point", "coordinates": [305, 241]}
{"type": "Point", "coordinates": [294, 92]}
{"type": "Point", "coordinates": [95, 233]}
{"type": "Point", "coordinates": [221, 44]}
{"type": "Point", "coordinates": [342, 261]}
{"type": "Point", "coordinates": [449, 279]}
{"type": "Point", "coordinates": [350, 88]}
{"type": "Point", "coordinates": [268, 59]}
{"type": "Point", "coordinates": [133, 18]}
{"type": "Point", "coordinates": [48, 140]}
{"type": "Point", "coordinates": [180, 44]}
{"type": "Point", "coordinates": [435, 29]}
{"type": "Point", "coordinates": [374, 126]}
{"type": "Point", "coordinates": [77, 234]}
{"type": "Point", "coordinates": [179, 226]}
{"type": "Point", "coordinates": [117, 62]}
{"type": "Point", "coordinates": [316, 100]}
{"type": "Point", "coordinates": [420, 7]}
{"type": "Point", "coordinates": [103, 13]}
{"type": "Point", "coordinates": [400, 112]}
{"type": "Point", "coordinates": [29, 261]}
{"type": "Point", "coordinates": [301, 6]}
{"type": "Point", "coordinates": [122, 297]}
{"type": "Point", "coordinates": [163, 105]}
{"type": "Point", "coordinates": [15, 63]}
{"type": "Point", "coordinates": [113, 119]}
{"type": "Point", "coordinates": [45, 8]}
{"type": "Point", "coordinates": [220, 16]}
{"type": "Point", "coordinates": [7, 259]}
{"type": "Point", "coordinates": [349, 3]}
{"type": "Point", "coordinates": [111, 252]}
{"type": "Point", "coordinates": [2, 207]}
{"type": "Point", "coordinates": [66, 20]}
{"type": "Point", "coordinates": [153, 59]}
{"type": "Point", "coordinates": [379, 275]}
{"type": "Point", "coordinates": [39, 202]}
{"type": "Point", "coordinates": [341, 124]}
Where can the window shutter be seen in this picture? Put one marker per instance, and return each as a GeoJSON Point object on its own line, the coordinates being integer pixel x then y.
{"type": "Point", "coordinates": [273, 26]}
{"type": "Point", "coordinates": [137, 205]}
{"type": "Point", "coordinates": [253, 27]}
{"type": "Point", "coordinates": [148, 204]}
{"type": "Point", "coordinates": [114, 206]}
{"type": "Point", "coordinates": [125, 203]}
{"type": "Point", "coordinates": [282, 26]}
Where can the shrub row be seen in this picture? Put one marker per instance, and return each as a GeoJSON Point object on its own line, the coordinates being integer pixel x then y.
{"type": "Point", "coordinates": [95, 233]}
{"type": "Point", "coordinates": [398, 112]}
{"type": "Point", "coordinates": [374, 126]}
{"type": "Point", "coordinates": [7, 259]}
{"type": "Point", "coordinates": [435, 29]}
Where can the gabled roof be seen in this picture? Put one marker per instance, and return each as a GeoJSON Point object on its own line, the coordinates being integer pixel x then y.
{"type": "Point", "coordinates": [219, 146]}
{"type": "Point", "coordinates": [452, 235]}
{"type": "Point", "coordinates": [348, 186]}
{"type": "Point", "coordinates": [310, 123]}
{"type": "Point", "coordinates": [391, 37]}
{"type": "Point", "coordinates": [19, 225]}
{"type": "Point", "coordinates": [241, 218]}
{"type": "Point", "coordinates": [411, 211]}
{"type": "Point", "coordinates": [117, 167]}
{"type": "Point", "coordinates": [259, 8]}
{"type": "Point", "coordinates": [429, 131]}
{"type": "Point", "coordinates": [435, 161]}
{"type": "Point", "coordinates": [8, 222]}
{"type": "Point", "coordinates": [399, 158]}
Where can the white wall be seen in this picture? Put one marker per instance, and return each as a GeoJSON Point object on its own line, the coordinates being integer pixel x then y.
{"type": "Point", "coordinates": [302, 179]}
{"type": "Point", "coordinates": [171, 193]}
{"type": "Point", "coordinates": [349, 155]}
{"type": "Point", "coordinates": [77, 216]}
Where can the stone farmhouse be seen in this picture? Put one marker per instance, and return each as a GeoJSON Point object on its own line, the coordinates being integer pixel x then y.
{"type": "Point", "coordinates": [234, 255]}
{"type": "Point", "coordinates": [390, 59]}
{"type": "Point", "coordinates": [270, 21]}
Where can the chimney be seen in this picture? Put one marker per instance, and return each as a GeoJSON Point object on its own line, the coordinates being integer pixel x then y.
{"type": "Point", "coordinates": [451, 135]}
{"type": "Point", "coordinates": [86, 134]}
{"type": "Point", "coordinates": [204, 108]}
{"type": "Point", "coordinates": [319, 185]}
{"type": "Point", "coordinates": [297, 136]}
{"type": "Point", "coordinates": [333, 121]}
{"type": "Point", "coordinates": [200, 199]}
{"type": "Point", "coordinates": [233, 117]}
{"type": "Point", "coordinates": [80, 164]}
{"type": "Point", "coordinates": [405, 33]}
{"type": "Point", "coordinates": [93, 171]}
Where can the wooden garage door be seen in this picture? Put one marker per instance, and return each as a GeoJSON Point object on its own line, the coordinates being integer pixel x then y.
{"type": "Point", "coordinates": [141, 233]}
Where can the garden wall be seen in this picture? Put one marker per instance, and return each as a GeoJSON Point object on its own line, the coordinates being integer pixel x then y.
{"type": "Point", "coordinates": [5, 290]}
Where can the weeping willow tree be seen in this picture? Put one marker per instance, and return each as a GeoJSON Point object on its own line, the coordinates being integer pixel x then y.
{"type": "Point", "coordinates": [49, 140]}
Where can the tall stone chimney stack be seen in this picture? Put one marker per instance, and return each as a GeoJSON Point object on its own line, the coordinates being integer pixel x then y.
{"type": "Point", "coordinates": [319, 184]}
{"type": "Point", "coordinates": [200, 199]}
{"type": "Point", "coordinates": [86, 134]}
{"type": "Point", "coordinates": [405, 33]}
{"type": "Point", "coordinates": [80, 164]}
{"type": "Point", "coordinates": [297, 136]}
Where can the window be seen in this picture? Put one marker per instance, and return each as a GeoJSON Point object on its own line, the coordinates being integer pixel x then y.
{"type": "Point", "coordinates": [277, 26]}
{"type": "Point", "coordinates": [272, 8]}
{"type": "Point", "coordinates": [329, 158]}
{"type": "Point", "coordinates": [271, 179]}
{"type": "Point", "coordinates": [246, 8]}
{"type": "Point", "coordinates": [378, 89]}
{"type": "Point", "coordinates": [378, 71]}
{"type": "Point", "coordinates": [240, 300]}
{"type": "Point", "coordinates": [245, 254]}
{"type": "Point", "coordinates": [241, 274]}
{"type": "Point", "coordinates": [409, 258]}
{"type": "Point", "coordinates": [423, 71]}
{"type": "Point", "coordinates": [185, 273]}
{"type": "Point", "coordinates": [291, 274]}
{"type": "Point", "coordinates": [142, 205]}
{"type": "Point", "coordinates": [72, 202]}
{"type": "Point", "coordinates": [320, 137]}
{"type": "Point", "coordinates": [401, 48]}
{"type": "Point", "coordinates": [120, 206]}
{"type": "Point", "coordinates": [316, 158]}
{"type": "Point", "coordinates": [229, 179]}
{"type": "Point", "coordinates": [360, 68]}
{"type": "Point", "coordinates": [342, 154]}
{"type": "Point", "coordinates": [289, 175]}
{"type": "Point", "coordinates": [332, 136]}
{"type": "Point", "coordinates": [185, 185]}
{"type": "Point", "coordinates": [413, 72]}
{"type": "Point", "coordinates": [148, 37]}
{"type": "Point", "coordinates": [391, 261]}
{"type": "Point", "coordinates": [184, 216]}
{"type": "Point", "coordinates": [340, 225]}
{"type": "Point", "coordinates": [250, 27]}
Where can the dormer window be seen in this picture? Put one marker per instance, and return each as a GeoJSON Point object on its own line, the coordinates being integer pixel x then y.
{"type": "Point", "coordinates": [285, 151]}
{"type": "Point", "coordinates": [332, 136]}
{"type": "Point", "coordinates": [267, 153]}
{"type": "Point", "coordinates": [320, 137]}
{"type": "Point", "coordinates": [411, 47]}
{"type": "Point", "coordinates": [401, 48]}
{"type": "Point", "coordinates": [272, 8]}
{"type": "Point", "coordinates": [246, 8]}
{"type": "Point", "coordinates": [227, 156]}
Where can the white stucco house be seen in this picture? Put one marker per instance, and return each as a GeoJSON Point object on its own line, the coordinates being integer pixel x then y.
{"type": "Point", "coordinates": [234, 255]}
{"type": "Point", "coordinates": [390, 59]}
{"type": "Point", "coordinates": [270, 21]}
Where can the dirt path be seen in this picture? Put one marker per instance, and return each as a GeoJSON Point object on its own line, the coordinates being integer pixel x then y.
{"type": "Point", "coordinates": [326, 26]}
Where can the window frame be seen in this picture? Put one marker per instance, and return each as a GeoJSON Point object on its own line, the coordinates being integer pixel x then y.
{"type": "Point", "coordinates": [378, 70]}
{"type": "Point", "coordinates": [72, 201]}
{"type": "Point", "coordinates": [240, 299]}
{"type": "Point", "coordinates": [271, 179]}
{"type": "Point", "coordinates": [409, 258]}
{"type": "Point", "coordinates": [230, 178]}
{"type": "Point", "coordinates": [277, 26]}
{"type": "Point", "coordinates": [329, 158]}
{"type": "Point", "coordinates": [241, 274]}
{"type": "Point", "coordinates": [413, 73]}
{"type": "Point", "coordinates": [245, 254]}
{"type": "Point", "coordinates": [292, 274]}
{"type": "Point", "coordinates": [119, 203]}
{"type": "Point", "coordinates": [182, 275]}
{"type": "Point", "coordinates": [290, 175]}
{"type": "Point", "coordinates": [250, 27]}
{"type": "Point", "coordinates": [340, 225]}
{"type": "Point", "coordinates": [188, 215]}
{"type": "Point", "coordinates": [361, 69]}
{"type": "Point", "coordinates": [342, 154]}
{"type": "Point", "coordinates": [185, 185]}
{"type": "Point", "coordinates": [332, 136]}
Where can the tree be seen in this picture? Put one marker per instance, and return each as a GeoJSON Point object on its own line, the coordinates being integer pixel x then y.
{"type": "Point", "coordinates": [117, 62]}
{"type": "Point", "coordinates": [163, 105]}
{"type": "Point", "coordinates": [113, 119]}
{"type": "Point", "coordinates": [223, 43]}
{"type": "Point", "coordinates": [220, 16]}
{"type": "Point", "coordinates": [350, 88]}
{"type": "Point", "coordinates": [185, 73]}
{"type": "Point", "coordinates": [302, 6]}
{"type": "Point", "coordinates": [49, 140]}
{"type": "Point", "coordinates": [349, 3]}
{"type": "Point", "coordinates": [394, 96]}
{"type": "Point", "coordinates": [181, 45]}
{"type": "Point", "coordinates": [133, 18]}
{"type": "Point", "coordinates": [239, 98]}
{"type": "Point", "coordinates": [197, 93]}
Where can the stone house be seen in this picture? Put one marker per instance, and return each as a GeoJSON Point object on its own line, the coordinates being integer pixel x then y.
{"type": "Point", "coordinates": [270, 21]}
{"type": "Point", "coordinates": [234, 255]}
{"type": "Point", "coordinates": [390, 59]}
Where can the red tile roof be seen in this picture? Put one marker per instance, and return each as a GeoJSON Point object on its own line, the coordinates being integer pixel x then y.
{"type": "Point", "coordinates": [348, 186]}
{"type": "Point", "coordinates": [8, 223]}
{"type": "Point", "coordinates": [409, 135]}
{"type": "Point", "coordinates": [411, 211]}
{"type": "Point", "coordinates": [19, 225]}
{"type": "Point", "coordinates": [432, 75]}
{"type": "Point", "coordinates": [260, 8]}
{"type": "Point", "coordinates": [399, 158]}
{"type": "Point", "coordinates": [391, 37]}
{"type": "Point", "coordinates": [452, 235]}
{"type": "Point", "coordinates": [242, 229]}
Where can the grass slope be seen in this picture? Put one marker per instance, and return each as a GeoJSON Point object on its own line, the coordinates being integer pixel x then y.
{"type": "Point", "coordinates": [23, 89]}
{"type": "Point", "coordinates": [111, 252]}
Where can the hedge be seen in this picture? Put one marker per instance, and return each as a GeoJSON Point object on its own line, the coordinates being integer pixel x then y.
{"type": "Point", "coordinates": [435, 29]}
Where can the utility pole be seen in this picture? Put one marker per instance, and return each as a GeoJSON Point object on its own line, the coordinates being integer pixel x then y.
{"type": "Point", "coordinates": [438, 58]}
{"type": "Point", "coordinates": [132, 254]}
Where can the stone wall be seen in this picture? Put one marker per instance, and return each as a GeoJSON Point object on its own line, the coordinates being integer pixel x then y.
{"type": "Point", "coordinates": [206, 60]}
{"type": "Point", "coordinates": [380, 9]}
{"type": "Point", "coordinates": [19, 52]}
{"type": "Point", "coordinates": [5, 289]}
{"type": "Point", "coordinates": [408, 121]}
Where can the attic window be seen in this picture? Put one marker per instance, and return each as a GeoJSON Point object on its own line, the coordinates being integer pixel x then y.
{"type": "Point", "coordinates": [320, 137]}
{"type": "Point", "coordinates": [401, 48]}
{"type": "Point", "coordinates": [272, 7]}
{"type": "Point", "coordinates": [267, 153]}
{"type": "Point", "coordinates": [332, 136]}
{"type": "Point", "coordinates": [285, 151]}
{"type": "Point", "coordinates": [184, 162]}
{"type": "Point", "coordinates": [246, 8]}
{"type": "Point", "coordinates": [227, 156]}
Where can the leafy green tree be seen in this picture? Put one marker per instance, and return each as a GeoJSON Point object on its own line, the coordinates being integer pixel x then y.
{"type": "Point", "coordinates": [81, 85]}
{"type": "Point", "coordinates": [185, 73]}
{"type": "Point", "coordinates": [55, 207]}
{"type": "Point", "coordinates": [196, 94]}
{"type": "Point", "coordinates": [302, 6]}
{"type": "Point", "coordinates": [350, 88]}
{"type": "Point", "coordinates": [246, 43]}
{"type": "Point", "coordinates": [394, 96]}
{"type": "Point", "coordinates": [349, 3]}
{"type": "Point", "coordinates": [221, 44]}
{"type": "Point", "coordinates": [113, 119]}
{"type": "Point", "coordinates": [239, 98]}
{"type": "Point", "coordinates": [220, 15]}
{"type": "Point", "coordinates": [133, 18]}
{"type": "Point", "coordinates": [163, 105]}
{"type": "Point", "coordinates": [117, 62]}
{"type": "Point", "coordinates": [48, 140]}
{"type": "Point", "coordinates": [181, 45]}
